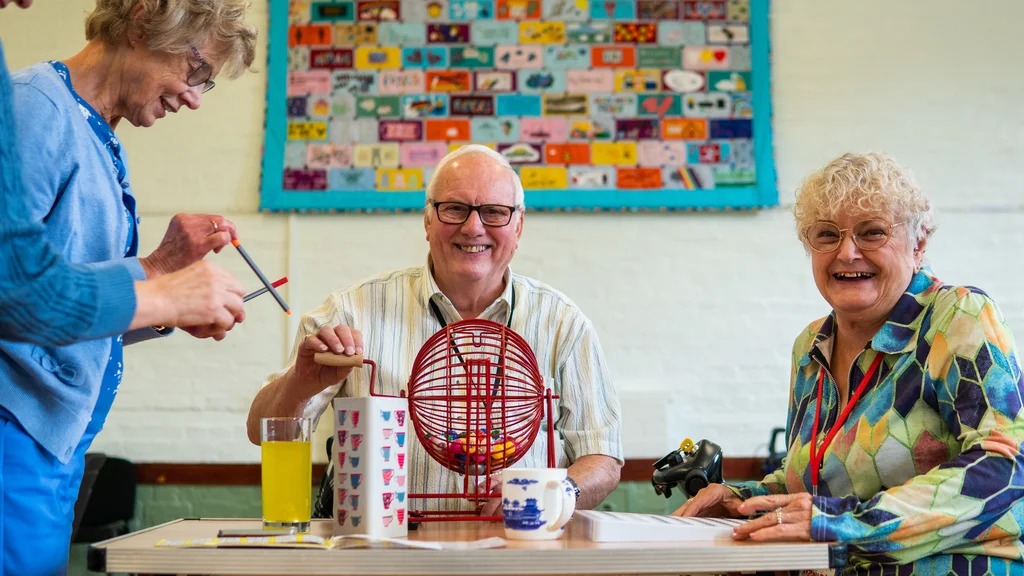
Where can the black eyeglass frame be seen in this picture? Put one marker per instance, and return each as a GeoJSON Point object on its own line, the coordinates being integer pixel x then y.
{"type": "Point", "coordinates": [471, 208]}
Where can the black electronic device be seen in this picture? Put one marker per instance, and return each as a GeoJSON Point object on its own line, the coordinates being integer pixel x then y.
{"type": "Point", "coordinates": [691, 467]}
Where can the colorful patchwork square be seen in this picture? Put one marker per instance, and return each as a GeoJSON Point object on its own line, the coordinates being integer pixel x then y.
{"type": "Point", "coordinates": [618, 95]}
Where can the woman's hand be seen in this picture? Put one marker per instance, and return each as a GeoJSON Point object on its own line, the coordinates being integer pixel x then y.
{"type": "Point", "coordinates": [189, 238]}
{"type": "Point", "coordinates": [203, 299]}
{"type": "Point", "coordinates": [712, 501]}
{"type": "Point", "coordinates": [787, 517]}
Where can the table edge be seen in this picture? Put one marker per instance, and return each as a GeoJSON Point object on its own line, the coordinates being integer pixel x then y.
{"type": "Point", "coordinates": [96, 558]}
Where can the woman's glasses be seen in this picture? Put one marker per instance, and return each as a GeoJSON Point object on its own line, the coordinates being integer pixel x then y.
{"type": "Point", "coordinates": [867, 235]}
{"type": "Point", "coordinates": [202, 74]}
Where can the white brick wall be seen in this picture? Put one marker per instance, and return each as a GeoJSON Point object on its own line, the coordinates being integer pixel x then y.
{"type": "Point", "coordinates": [696, 312]}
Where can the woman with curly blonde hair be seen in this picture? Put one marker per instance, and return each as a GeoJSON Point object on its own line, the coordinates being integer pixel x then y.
{"type": "Point", "coordinates": [905, 417]}
{"type": "Point", "coordinates": [143, 59]}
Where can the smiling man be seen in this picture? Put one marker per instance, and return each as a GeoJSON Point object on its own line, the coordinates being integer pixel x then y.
{"type": "Point", "coordinates": [474, 219]}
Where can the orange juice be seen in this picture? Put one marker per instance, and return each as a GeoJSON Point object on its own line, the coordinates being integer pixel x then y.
{"type": "Point", "coordinates": [287, 481]}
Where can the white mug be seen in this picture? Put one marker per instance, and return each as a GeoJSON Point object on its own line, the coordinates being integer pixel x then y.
{"type": "Point", "coordinates": [537, 502]}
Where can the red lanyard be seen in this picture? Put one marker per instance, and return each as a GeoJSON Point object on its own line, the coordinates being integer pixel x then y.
{"type": "Point", "coordinates": [818, 456]}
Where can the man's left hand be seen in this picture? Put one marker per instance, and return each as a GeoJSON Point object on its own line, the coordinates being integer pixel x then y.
{"type": "Point", "coordinates": [189, 238]}
{"type": "Point", "coordinates": [786, 517]}
{"type": "Point", "coordinates": [492, 485]}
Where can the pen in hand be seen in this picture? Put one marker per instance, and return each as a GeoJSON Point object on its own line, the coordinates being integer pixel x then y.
{"type": "Point", "coordinates": [259, 274]}
{"type": "Point", "coordinates": [264, 290]}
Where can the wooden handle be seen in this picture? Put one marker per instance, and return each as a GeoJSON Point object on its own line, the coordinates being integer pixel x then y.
{"type": "Point", "coordinates": [339, 360]}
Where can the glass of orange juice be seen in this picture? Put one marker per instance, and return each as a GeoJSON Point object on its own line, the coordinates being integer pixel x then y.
{"type": "Point", "coordinates": [287, 472]}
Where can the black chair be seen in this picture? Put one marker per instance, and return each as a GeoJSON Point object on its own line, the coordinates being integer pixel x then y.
{"type": "Point", "coordinates": [93, 463]}
{"type": "Point", "coordinates": [106, 505]}
{"type": "Point", "coordinates": [323, 507]}
{"type": "Point", "coordinates": [775, 457]}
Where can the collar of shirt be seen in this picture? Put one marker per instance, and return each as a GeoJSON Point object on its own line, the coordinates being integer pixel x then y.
{"type": "Point", "coordinates": [429, 291]}
{"type": "Point", "coordinates": [900, 332]}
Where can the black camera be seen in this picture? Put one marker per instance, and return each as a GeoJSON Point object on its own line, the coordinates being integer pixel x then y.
{"type": "Point", "coordinates": [694, 466]}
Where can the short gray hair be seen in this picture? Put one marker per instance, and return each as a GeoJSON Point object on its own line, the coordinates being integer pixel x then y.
{"type": "Point", "coordinates": [173, 25]}
{"type": "Point", "coordinates": [871, 182]}
{"type": "Point", "coordinates": [520, 201]}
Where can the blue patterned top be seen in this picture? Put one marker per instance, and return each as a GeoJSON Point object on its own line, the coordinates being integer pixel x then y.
{"type": "Point", "coordinates": [44, 299]}
{"type": "Point", "coordinates": [73, 185]}
{"type": "Point", "coordinates": [113, 146]}
{"type": "Point", "coordinates": [115, 363]}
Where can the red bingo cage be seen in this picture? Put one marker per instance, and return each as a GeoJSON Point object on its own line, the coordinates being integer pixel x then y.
{"type": "Point", "coordinates": [476, 402]}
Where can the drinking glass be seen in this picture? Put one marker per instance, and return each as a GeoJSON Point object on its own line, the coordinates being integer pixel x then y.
{"type": "Point", "coordinates": [287, 472]}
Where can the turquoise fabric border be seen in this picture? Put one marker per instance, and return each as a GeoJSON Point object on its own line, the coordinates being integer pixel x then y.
{"type": "Point", "coordinates": [764, 194]}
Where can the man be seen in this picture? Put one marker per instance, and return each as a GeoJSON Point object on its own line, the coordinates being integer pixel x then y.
{"type": "Point", "coordinates": [473, 221]}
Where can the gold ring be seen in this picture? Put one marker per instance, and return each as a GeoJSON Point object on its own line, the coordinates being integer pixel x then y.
{"type": "Point", "coordinates": [215, 227]}
{"type": "Point", "coordinates": [778, 515]}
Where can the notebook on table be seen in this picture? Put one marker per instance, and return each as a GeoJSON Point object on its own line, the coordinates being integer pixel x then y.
{"type": "Point", "coordinates": [602, 526]}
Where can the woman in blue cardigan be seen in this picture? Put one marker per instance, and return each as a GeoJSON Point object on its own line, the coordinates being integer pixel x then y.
{"type": "Point", "coordinates": [46, 300]}
{"type": "Point", "coordinates": [144, 59]}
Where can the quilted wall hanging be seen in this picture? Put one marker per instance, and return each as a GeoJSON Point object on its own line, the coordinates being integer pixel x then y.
{"type": "Point", "coordinates": [599, 104]}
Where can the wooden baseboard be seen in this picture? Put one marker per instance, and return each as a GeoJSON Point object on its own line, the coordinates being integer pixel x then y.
{"type": "Point", "coordinates": [249, 474]}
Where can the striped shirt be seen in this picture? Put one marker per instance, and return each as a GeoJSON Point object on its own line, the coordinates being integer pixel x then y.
{"type": "Point", "coordinates": [394, 315]}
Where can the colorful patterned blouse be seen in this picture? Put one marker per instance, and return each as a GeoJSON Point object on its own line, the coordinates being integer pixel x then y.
{"type": "Point", "coordinates": [927, 471]}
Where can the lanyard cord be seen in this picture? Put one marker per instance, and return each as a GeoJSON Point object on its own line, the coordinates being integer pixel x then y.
{"type": "Point", "coordinates": [444, 324]}
{"type": "Point", "coordinates": [818, 456]}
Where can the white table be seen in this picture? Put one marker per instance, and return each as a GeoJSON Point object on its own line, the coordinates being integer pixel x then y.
{"type": "Point", "coordinates": [571, 554]}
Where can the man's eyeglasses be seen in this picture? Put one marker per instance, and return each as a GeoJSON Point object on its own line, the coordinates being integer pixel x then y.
{"type": "Point", "coordinates": [867, 235]}
{"type": "Point", "coordinates": [202, 74]}
{"type": "Point", "coordinates": [496, 215]}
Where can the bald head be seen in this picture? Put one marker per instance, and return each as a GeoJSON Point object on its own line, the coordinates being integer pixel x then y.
{"type": "Point", "coordinates": [473, 161]}
{"type": "Point", "coordinates": [474, 229]}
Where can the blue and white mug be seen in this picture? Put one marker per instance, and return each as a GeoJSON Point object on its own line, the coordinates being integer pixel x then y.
{"type": "Point", "coordinates": [537, 503]}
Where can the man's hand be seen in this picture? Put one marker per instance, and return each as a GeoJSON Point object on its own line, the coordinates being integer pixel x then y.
{"type": "Point", "coordinates": [490, 485]}
{"type": "Point", "coordinates": [189, 238]}
{"type": "Point", "coordinates": [310, 377]}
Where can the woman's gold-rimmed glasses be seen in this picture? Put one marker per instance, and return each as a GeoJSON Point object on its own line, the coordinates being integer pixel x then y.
{"type": "Point", "coordinates": [827, 237]}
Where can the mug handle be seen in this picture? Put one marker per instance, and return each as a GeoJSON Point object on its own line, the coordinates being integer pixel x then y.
{"type": "Point", "coordinates": [565, 499]}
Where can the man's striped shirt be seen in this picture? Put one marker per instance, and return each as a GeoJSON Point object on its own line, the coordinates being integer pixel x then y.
{"type": "Point", "coordinates": [394, 315]}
